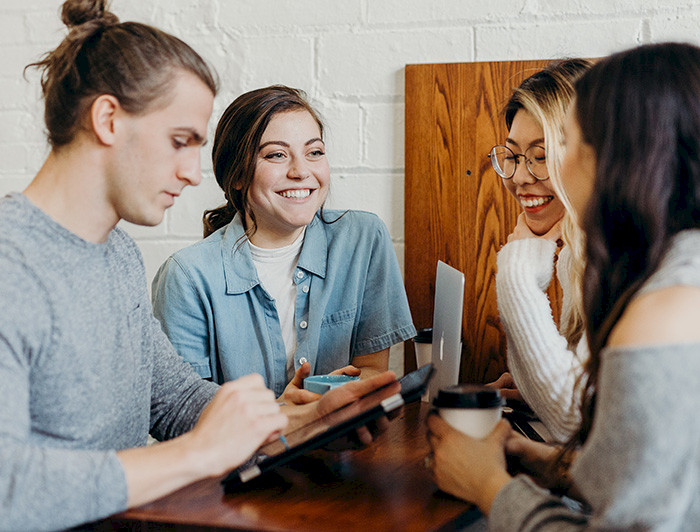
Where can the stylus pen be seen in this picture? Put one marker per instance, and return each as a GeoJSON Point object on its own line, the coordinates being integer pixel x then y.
{"type": "Point", "coordinates": [284, 442]}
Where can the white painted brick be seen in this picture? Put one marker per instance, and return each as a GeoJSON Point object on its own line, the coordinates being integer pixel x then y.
{"type": "Point", "coordinates": [288, 14]}
{"type": "Point", "coordinates": [45, 28]}
{"type": "Point", "coordinates": [384, 135]}
{"type": "Point", "coordinates": [12, 29]}
{"type": "Point", "coordinates": [342, 132]}
{"type": "Point", "coordinates": [30, 6]}
{"type": "Point", "coordinates": [372, 63]}
{"type": "Point", "coordinates": [678, 28]}
{"type": "Point", "coordinates": [14, 92]}
{"type": "Point", "coordinates": [271, 60]}
{"type": "Point", "coordinates": [400, 249]}
{"type": "Point", "coordinates": [349, 56]}
{"type": "Point", "coordinates": [554, 40]}
{"type": "Point", "coordinates": [637, 8]}
{"type": "Point", "coordinates": [419, 11]}
{"type": "Point", "coordinates": [142, 232]}
{"type": "Point", "coordinates": [396, 359]}
{"type": "Point", "coordinates": [380, 194]}
{"type": "Point", "coordinates": [227, 57]}
{"type": "Point", "coordinates": [14, 126]}
{"type": "Point", "coordinates": [37, 154]}
{"type": "Point", "coordinates": [13, 158]}
{"type": "Point", "coordinates": [12, 184]}
{"type": "Point", "coordinates": [156, 253]}
{"type": "Point", "coordinates": [185, 217]}
{"type": "Point", "coordinates": [14, 57]}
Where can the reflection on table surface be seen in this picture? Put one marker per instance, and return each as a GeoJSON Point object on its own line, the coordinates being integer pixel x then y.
{"type": "Point", "coordinates": [382, 487]}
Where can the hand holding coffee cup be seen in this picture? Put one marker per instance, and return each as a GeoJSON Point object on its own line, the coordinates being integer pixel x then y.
{"type": "Point", "coordinates": [472, 409]}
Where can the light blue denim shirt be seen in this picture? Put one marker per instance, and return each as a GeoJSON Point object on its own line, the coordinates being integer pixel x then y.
{"type": "Point", "coordinates": [350, 301]}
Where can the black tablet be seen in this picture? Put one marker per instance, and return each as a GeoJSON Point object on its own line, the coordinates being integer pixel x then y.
{"type": "Point", "coordinates": [331, 426]}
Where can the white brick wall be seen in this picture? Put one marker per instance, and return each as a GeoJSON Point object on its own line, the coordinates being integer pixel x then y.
{"type": "Point", "coordinates": [349, 55]}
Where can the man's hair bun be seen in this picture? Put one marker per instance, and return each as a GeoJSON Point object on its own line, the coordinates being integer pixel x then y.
{"type": "Point", "coordinates": [78, 12]}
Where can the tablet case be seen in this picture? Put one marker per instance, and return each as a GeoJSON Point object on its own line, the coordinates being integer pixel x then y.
{"type": "Point", "coordinates": [331, 427]}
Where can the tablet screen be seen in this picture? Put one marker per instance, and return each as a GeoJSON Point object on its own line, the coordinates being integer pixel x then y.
{"type": "Point", "coordinates": [332, 426]}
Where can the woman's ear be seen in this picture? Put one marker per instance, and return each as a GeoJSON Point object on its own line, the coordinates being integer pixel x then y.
{"type": "Point", "coordinates": [103, 114]}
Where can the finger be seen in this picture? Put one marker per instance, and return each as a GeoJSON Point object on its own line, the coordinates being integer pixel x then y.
{"type": "Point", "coordinates": [267, 426]}
{"type": "Point", "coordinates": [300, 374]}
{"type": "Point", "coordinates": [516, 444]}
{"type": "Point", "coordinates": [350, 370]}
{"type": "Point", "coordinates": [510, 393]}
{"type": "Point", "coordinates": [364, 435]}
{"type": "Point", "coordinates": [363, 387]}
{"type": "Point", "coordinates": [555, 232]}
{"type": "Point", "coordinates": [500, 432]}
{"type": "Point", "coordinates": [438, 426]}
{"type": "Point", "coordinates": [300, 397]}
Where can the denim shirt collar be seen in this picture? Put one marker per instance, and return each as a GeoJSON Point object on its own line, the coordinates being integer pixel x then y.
{"type": "Point", "coordinates": [239, 269]}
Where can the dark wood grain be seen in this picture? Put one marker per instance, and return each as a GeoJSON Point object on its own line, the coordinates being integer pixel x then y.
{"type": "Point", "coordinates": [457, 210]}
{"type": "Point", "coordinates": [384, 487]}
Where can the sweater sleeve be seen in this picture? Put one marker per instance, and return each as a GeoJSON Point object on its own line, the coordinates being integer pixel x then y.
{"type": "Point", "coordinates": [639, 467]}
{"type": "Point", "coordinates": [42, 487]}
{"type": "Point", "coordinates": [543, 367]}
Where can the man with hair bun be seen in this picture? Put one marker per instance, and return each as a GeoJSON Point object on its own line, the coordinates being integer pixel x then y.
{"type": "Point", "coordinates": [86, 372]}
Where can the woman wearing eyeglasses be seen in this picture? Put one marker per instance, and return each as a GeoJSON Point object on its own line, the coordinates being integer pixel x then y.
{"type": "Point", "coordinates": [544, 361]}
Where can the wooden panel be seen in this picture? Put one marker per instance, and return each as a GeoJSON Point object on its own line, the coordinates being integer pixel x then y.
{"type": "Point", "coordinates": [456, 207]}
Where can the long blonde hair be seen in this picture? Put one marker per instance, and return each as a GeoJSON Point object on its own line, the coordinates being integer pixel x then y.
{"type": "Point", "coordinates": [546, 95]}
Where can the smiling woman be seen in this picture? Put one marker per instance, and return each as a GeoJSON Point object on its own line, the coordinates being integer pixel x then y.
{"type": "Point", "coordinates": [544, 360]}
{"type": "Point", "coordinates": [280, 286]}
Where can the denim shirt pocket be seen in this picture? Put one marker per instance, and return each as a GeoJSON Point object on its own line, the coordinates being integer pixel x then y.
{"type": "Point", "coordinates": [335, 342]}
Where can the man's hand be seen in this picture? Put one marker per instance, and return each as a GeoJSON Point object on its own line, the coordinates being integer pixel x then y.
{"type": "Point", "coordinates": [241, 417]}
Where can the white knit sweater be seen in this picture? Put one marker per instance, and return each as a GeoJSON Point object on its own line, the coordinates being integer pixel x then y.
{"type": "Point", "coordinates": [544, 369]}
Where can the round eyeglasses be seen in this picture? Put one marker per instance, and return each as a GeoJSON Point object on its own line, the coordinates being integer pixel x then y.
{"type": "Point", "coordinates": [504, 161]}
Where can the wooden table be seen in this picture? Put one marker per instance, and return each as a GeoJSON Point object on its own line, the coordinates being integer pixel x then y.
{"type": "Point", "coordinates": [382, 487]}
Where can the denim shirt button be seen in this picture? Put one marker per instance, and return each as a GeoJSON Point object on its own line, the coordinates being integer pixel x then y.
{"type": "Point", "coordinates": [305, 289]}
{"type": "Point", "coordinates": [303, 324]}
{"type": "Point", "coordinates": [300, 274]}
{"type": "Point", "coordinates": [302, 361]}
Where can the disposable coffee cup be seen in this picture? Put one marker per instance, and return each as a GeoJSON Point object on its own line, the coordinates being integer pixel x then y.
{"type": "Point", "coordinates": [423, 346]}
{"type": "Point", "coordinates": [472, 409]}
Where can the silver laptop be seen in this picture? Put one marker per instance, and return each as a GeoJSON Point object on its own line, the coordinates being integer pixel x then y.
{"type": "Point", "coordinates": [447, 327]}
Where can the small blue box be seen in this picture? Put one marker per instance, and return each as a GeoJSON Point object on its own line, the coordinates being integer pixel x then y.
{"type": "Point", "coordinates": [322, 383]}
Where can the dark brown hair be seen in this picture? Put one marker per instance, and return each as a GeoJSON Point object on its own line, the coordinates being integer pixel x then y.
{"type": "Point", "coordinates": [640, 112]}
{"type": "Point", "coordinates": [235, 149]}
{"type": "Point", "coordinates": [133, 62]}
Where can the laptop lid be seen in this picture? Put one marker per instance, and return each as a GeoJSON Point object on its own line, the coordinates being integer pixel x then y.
{"type": "Point", "coordinates": [447, 327]}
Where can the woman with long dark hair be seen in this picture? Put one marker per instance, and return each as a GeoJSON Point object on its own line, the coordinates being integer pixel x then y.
{"type": "Point", "coordinates": [632, 173]}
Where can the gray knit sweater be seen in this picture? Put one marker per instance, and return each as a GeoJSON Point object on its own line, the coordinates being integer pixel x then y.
{"type": "Point", "coordinates": [640, 468]}
{"type": "Point", "coordinates": [84, 370]}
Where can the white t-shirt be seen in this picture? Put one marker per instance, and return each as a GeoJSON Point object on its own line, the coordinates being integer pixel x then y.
{"type": "Point", "coordinates": [276, 273]}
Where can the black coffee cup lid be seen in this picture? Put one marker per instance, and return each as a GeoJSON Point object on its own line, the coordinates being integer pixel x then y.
{"type": "Point", "coordinates": [467, 396]}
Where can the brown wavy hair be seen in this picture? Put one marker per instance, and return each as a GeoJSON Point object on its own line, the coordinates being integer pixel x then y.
{"type": "Point", "coordinates": [133, 62]}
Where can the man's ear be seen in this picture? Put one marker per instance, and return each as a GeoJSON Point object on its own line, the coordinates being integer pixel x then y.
{"type": "Point", "coordinates": [103, 113]}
